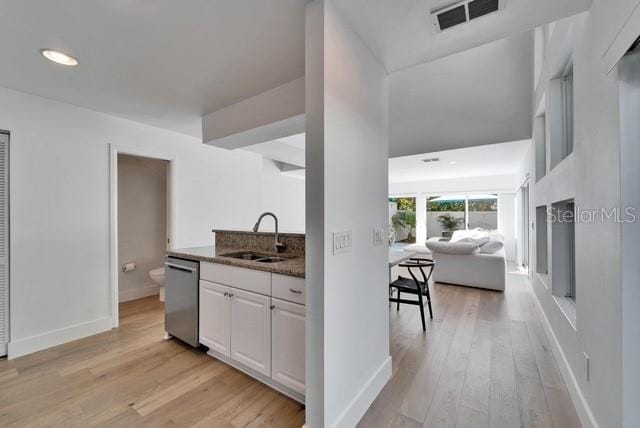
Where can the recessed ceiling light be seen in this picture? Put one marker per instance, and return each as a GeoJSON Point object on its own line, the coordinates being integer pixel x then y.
{"type": "Point", "coordinates": [452, 162]}
{"type": "Point", "coordinates": [59, 57]}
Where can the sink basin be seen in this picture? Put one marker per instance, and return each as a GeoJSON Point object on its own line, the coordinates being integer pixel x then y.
{"type": "Point", "coordinates": [249, 255]}
{"type": "Point", "coordinates": [244, 255]}
{"type": "Point", "coordinates": [272, 259]}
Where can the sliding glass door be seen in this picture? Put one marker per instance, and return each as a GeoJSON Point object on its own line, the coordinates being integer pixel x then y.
{"type": "Point", "coordinates": [448, 213]}
{"type": "Point", "coordinates": [445, 214]}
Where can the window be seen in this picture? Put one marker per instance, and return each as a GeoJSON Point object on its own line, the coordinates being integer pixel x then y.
{"type": "Point", "coordinates": [560, 116]}
{"type": "Point", "coordinates": [539, 136]}
{"type": "Point", "coordinates": [445, 214]}
{"type": "Point", "coordinates": [402, 219]}
{"type": "Point", "coordinates": [567, 112]}
{"type": "Point", "coordinates": [541, 240]}
{"type": "Point", "coordinates": [482, 211]}
{"type": "Point", "coordinates": [448, 213]}
{"type": "Point", "coordinates": [563, 249]}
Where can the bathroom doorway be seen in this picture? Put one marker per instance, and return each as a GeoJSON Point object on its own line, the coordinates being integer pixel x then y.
{"type": "Point", "coordinates": [142, 211]}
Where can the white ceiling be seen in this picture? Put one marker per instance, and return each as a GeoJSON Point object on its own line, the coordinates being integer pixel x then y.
{"type": "Point", "coordinates": [161, 62]}
{"type": "Point", "coordinates": [401, 33]}
{"type": "Point", "coordinates": [479, 96]}
{"type": "Point", "coordinates": [480, 161]}
{"type": "Point", "coordinates": [488, 160]}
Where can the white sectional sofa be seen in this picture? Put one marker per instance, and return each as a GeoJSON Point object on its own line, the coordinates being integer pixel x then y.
{"type": "Point", "coordinates": [473, 258]}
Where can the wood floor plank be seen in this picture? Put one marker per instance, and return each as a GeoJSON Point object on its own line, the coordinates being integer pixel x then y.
{"type": "Point", "coordinates": [475, 393]}
{"type": "Point", "coordinates": [504, 408]}
{"type": "Point", "coordinates": [443, 410]}
{"type": "Point", "coordinates": [533, 406]}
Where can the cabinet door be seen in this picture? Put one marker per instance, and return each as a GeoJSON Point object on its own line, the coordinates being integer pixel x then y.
{"type": "Point", "coordinates": [288, 320]}
{"type": "Point", "coordinates": [214, 317]}
{"type": "Point", "coordinates": [251, 330]}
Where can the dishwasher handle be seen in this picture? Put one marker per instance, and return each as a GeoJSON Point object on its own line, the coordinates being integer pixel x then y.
{"type": "Point", "coordinates": [179, 267]}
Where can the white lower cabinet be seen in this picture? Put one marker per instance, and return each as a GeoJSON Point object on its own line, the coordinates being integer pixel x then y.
{"type": "Point", "coordinates": [214, 320]}
{"type": "Point", "coordinates": [260, 332]}
{"type": "Point", "coordinates": [251, 330]}
{"type": "Point", "coordinates": [288, 357]}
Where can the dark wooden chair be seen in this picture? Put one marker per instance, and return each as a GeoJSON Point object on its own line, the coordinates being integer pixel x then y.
{"type": "Point", "coordinates": [414, 285]}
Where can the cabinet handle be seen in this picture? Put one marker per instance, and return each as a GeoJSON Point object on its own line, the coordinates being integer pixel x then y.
{"type": "Point", "coordinates": [273, 307]}
{"type": "Point", "coordinates": [295, 291]}
{"type": "Point", "coordinates": [230, 294]}
{"type": "Point", "coordinates": [226, 294]}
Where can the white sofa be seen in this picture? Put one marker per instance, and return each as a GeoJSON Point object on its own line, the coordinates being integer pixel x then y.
{"type": "Point", "coordinates": [477, 268]}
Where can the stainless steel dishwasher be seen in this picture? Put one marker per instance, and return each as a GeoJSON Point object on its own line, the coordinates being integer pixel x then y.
{"type": "Point", "coordinates": [181, 299]}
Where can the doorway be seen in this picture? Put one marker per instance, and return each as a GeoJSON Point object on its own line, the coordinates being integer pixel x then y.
{"type": "Point", "coordinates": [142, 227]}
{"type": "Point", "coordinates": [142, 212]}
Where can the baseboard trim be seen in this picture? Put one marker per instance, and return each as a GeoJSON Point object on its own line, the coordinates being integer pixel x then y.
{"type": "Point", "coordinates": [354, 411]}
{"type": "Point", "coordinates": [28, 345]}
{"type": "Point", "coordinates": [582, 407]}
{"type": "Point", "coordinates": [138, 293]}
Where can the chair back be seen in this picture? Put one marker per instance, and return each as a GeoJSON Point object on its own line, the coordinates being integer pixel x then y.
{"type": "Point", "coordinates": [420, 264]}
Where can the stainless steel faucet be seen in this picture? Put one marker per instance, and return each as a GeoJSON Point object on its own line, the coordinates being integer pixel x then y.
{"type": "Point", "coordinates": [279, 246]}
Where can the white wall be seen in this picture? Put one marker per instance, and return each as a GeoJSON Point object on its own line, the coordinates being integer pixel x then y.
{"type": "Point", "coordinates": [142, 223]}
{"type": "Point", "coordinates": [630, 180]}
{"type": "Point", "coordinates": [507, 222]}
{"type": "Point", "coordinates": [347, 190]}
{"type": "Point", "coordinates": [485, 184]}
{"type": "Point", "coordinates": [284, 196]}
{"type": "Point", "coordinates": [592, 176]}
{"type": "Point", "coordinates": [60, 287]}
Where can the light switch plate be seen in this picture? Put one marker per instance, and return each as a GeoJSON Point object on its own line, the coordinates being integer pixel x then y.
{"type": "Point", "coordinates": [379, 234]}
{"type": "Point", "coordinates": [342, 242]}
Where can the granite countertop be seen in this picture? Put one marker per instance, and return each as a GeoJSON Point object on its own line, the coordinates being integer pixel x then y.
{"type": "Point", "coordinates": [292, 267]}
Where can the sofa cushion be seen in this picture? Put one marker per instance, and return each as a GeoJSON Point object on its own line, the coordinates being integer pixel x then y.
{"type": "Point", "coordinates": [491, 247]}
{"type": "Point", "coordinates": [479, 241]}
{"type": "Point", "coordinates": [460, 248]}
{"type": "Point", "coordinates": [417, 248]}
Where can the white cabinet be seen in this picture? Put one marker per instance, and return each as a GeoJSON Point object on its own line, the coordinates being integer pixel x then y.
{"type": "Point", "coordinates": [214, 328]}
{"type": "Point", "coordinates": [251, 330]}
{"type": "Point", "coordinates": [288, 288]}
{"type": "Point", "coordinates": [287, 346]}
{"type": "Point", "coordinates": [263, 331]}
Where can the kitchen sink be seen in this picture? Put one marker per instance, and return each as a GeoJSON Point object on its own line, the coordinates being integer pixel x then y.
{"type": "Point", "coordinates": [249, 255]}
{"type": "Point", "coordinates": [244, 255]}
{"type": "Point", "coordinates": [272, 259]}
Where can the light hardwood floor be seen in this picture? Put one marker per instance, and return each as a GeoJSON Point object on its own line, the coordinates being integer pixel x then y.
{"type": "Point", "coordinates": [131, 377]}
{"type": "Point", "coordinates": [483, 361]}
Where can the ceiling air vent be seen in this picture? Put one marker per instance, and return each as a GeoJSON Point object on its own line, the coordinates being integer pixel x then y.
{"type": "Point", "coordinates": [464, 11]}
{"type": "Point", "coordinates": [429, 160]}
{"type": "Point", "coordinates": [478, 8]}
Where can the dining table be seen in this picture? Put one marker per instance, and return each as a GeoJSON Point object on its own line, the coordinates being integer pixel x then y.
{"type": "Point", "coordinates": [398, 256]}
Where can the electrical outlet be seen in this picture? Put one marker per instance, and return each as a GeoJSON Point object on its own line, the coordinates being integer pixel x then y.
{"type": "Point", "coordinates": [379, 234]}
{"type": "Point", "coordinates": [587, 367]}
{"type": "Point", "coordinates": [342, 242]}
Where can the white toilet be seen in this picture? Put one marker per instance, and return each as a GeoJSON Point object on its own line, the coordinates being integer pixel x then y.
{"type": "Point", "coordinates": [157, 276]}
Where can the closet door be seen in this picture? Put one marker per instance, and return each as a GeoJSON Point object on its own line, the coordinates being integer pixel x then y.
{"type": "Point", "coordinates": [4, 243]}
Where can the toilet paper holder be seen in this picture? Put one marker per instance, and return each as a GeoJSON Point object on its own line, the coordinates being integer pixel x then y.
{"type": "Point", "coordinates": [128, 267]}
